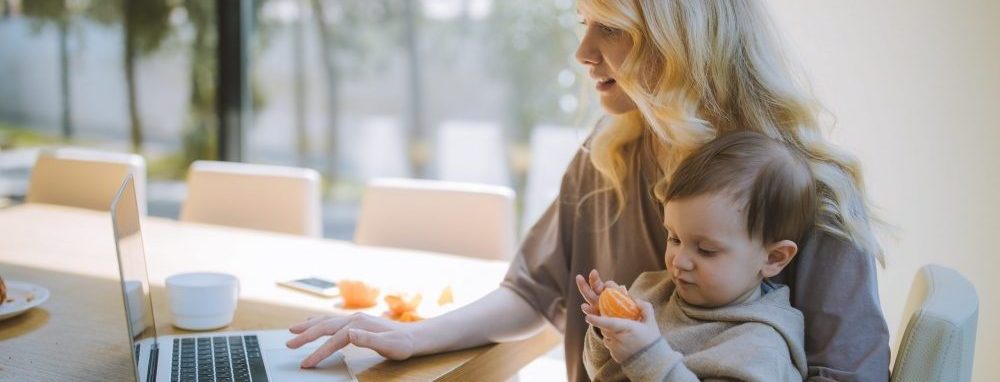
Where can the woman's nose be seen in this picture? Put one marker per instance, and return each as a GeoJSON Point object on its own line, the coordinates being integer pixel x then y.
{"type": "Point", "coordinates": [586, 53]}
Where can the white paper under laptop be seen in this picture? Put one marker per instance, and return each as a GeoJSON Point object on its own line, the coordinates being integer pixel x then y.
{"type": "Point", "coordinates": [256, 356]}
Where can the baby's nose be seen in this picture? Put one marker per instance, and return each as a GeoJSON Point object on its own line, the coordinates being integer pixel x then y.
{"type": "Point", "coordinates": [681, 263]}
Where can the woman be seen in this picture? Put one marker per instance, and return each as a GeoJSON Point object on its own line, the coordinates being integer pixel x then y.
{"type": "Point", "coordinates": [671, 75]}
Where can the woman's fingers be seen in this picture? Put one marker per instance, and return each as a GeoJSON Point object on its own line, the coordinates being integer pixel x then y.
{"type": "Point", "coordinates": [588, 293]}
{"type": "Point", "coordinates": [327, 326]}
{"type": "Point", "coordinates": [330, 325]}
{"type": "Point", "coordinates": [360, 329]}
{"type": "Point", "coordinates": [336, 342]}
{"type": "Point", "coordinates": [590, 309]}
{"type": "Point", "coordinates": [300, 327]}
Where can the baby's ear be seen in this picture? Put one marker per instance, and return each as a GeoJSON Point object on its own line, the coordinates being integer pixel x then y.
{"type": "Point", "coordinates": [779, 254]}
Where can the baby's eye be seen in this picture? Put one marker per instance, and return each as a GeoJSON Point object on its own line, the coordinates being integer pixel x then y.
{"type": "Point", "coordinates": [673, 240]}
{"type": "Point", "coordinates": [707, 252]}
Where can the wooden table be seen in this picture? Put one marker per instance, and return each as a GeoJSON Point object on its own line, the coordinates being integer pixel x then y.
{"type": "Point", "coordinates": [80, 332]}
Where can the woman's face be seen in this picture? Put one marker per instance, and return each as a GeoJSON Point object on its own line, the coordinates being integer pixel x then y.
{"type": "Point", "coordinates": [602, 51]}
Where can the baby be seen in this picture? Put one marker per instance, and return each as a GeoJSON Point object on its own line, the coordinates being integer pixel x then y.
{"type": "Point", "coordinates": [735, 212]}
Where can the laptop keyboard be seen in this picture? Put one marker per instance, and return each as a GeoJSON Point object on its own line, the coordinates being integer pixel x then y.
{"type": "Point", "coordinates": [218, 358]}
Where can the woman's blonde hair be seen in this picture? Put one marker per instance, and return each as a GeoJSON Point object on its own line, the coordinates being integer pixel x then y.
{"type": "Point", "coordinates": [700, 68]}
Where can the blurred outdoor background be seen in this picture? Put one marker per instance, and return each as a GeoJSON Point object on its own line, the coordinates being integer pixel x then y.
{"type": "Point", "coordinates": [468, 90]}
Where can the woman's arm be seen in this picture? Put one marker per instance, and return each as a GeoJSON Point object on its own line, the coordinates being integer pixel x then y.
{"type": "Point", "coordinates": [477, 324]}
{"type": "Point", "coordinates": [834, 285]}
{"type": "Point", "coordinates": [471, 325]}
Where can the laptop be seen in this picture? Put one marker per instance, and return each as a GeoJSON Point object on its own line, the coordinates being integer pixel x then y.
{"type": "Point", "coordinates": [252, 356]}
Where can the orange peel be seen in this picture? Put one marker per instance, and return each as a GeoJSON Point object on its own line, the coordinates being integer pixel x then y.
{"type": "Point", "coordinates": [447, 297]}
{"type": "Point", "coordinates": [403, 308]}
{"type": "Point", "coordinates": [357, 294]}
{"type": "Point", "coordinates": [399, 304]}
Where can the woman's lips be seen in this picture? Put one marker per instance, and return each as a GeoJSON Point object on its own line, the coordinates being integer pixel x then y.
{"type": "Point", "coordinates": [605, 85]}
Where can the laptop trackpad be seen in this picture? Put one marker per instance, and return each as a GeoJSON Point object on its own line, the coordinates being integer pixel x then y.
{"type": "Point", "coordinates": [284, 366]}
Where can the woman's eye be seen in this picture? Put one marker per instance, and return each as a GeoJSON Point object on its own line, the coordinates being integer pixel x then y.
{"type": "Point", "coordinates": [607, 31]}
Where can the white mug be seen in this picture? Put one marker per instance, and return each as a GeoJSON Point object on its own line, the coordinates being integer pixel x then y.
{"type": "Point", "coordinates": [202, 300]}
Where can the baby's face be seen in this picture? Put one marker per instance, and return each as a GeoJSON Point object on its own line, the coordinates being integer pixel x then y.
{"type": "Point", "coordinates": [709, 253]}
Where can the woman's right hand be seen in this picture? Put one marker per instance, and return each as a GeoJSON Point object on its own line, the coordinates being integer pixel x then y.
{"type": "Point", "coordinates": [591, 288]}
{"type": "Point", "coordinates": [388, 338]}
{"type": "Point", "coordinates": [471, 325]}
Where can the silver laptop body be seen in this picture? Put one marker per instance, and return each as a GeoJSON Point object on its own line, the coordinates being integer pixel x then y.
{"type": "Point", "coordinates": [253, 356]}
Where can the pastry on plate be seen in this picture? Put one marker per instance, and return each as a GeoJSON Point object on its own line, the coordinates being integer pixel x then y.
{"type": "Point", "coordinates": [3, 291]}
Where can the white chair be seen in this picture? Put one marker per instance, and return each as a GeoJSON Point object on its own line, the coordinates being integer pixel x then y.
{"type": "Point", "coordinates": [465, 219]}
{"type": "Point", "coordinates": [15, 168]}
{"type": "Point", "coordinates": [269, 198]}
{"type": "Point", "coordinates": [939, 331]}
{"type": "Point", "coordinates": [84, 178]}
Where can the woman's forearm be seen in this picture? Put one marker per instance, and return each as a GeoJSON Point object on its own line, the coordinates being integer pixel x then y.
{"type": "Point", "coordinates": [500, 316]}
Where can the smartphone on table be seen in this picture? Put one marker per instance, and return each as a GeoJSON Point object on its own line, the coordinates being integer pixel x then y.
{"type": "Point", "coordinates": [315, 285]}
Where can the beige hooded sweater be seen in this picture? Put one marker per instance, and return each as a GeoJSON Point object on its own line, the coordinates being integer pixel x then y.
{"type": "Point", "coordinates": [758, 340]}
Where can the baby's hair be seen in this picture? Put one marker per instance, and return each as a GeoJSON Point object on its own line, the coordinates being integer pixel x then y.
{"type": "Point", "coordinates": [767, 179]}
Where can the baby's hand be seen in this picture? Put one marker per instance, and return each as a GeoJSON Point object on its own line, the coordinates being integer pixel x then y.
{"type": "Point", "coordinates": [591, 289]}
{"type": "Point", "coordinates": [624, 337]}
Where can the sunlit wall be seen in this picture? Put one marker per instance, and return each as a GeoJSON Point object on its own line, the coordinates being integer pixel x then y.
{"type": "Point", "coordinates": [914, 87]}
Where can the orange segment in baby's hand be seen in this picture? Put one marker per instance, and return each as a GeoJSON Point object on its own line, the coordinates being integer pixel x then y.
{"type": "Point", "coordinates": [615, 302]}
{"type": "Point", "coordinates": [357, 294]}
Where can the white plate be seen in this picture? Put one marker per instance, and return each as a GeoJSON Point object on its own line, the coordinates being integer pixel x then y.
{"type": "Point", "coordinates": [21, 297]}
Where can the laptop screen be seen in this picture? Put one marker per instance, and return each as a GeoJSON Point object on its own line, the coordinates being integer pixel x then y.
{"type": "Point", "coordinates": [132, 265]}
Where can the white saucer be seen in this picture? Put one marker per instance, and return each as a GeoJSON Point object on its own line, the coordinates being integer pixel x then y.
{"type": "Point", "coordinates": [21, 297]}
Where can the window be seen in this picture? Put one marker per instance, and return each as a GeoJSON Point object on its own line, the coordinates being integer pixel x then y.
{"type": "Point", "coordinates": [438, 89]}
{"type": "Point", "coordinates": [108, 75]}
{"type": "Point", "coordinates": [467, 90]}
